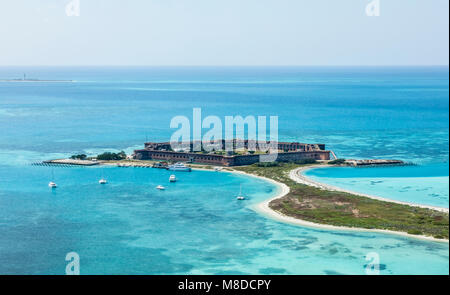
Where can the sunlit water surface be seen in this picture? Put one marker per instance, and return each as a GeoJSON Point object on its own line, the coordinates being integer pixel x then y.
{"type": "Point", "coordinates": [196, 225]}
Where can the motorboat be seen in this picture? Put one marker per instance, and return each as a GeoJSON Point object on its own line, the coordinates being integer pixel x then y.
{"type": "Point", "coordinates": [160, 187]}
{"type": "Point", "coordinates": [172, 178]}
{"type": "Point", "coordinates": [180, 167]}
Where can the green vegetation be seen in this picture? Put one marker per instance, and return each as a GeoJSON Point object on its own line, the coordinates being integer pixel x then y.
{"type": "Point", "coordinates": [112, 156]}
{"type": "Point", "coordinates": [79, 157]}
{"type": "Point", "coordinates": [337, 162]}
{"type": "Point", "coordinates": [267, 164]}
{"type": "Point", "coordinates": [344, 209]}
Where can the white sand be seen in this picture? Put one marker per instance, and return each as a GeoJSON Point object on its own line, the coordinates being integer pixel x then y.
{"type": "Point", "coordinates": [298, 176]}
{"type": "Point", "coordinates": [264, 209]}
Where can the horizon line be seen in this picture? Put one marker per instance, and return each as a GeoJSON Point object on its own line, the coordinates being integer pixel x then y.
{"type": "Point", "coordinates": [205, 66]}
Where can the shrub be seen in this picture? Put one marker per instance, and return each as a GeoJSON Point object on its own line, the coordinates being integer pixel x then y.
{"type": "Point", "coordinates": [267, 164]}
{"type": "Point", "coordinates": [414, 232]}
{"type": "Point", "coordinates": [112, 156]}
{"type": "Point", "coordinates": [79, 157]}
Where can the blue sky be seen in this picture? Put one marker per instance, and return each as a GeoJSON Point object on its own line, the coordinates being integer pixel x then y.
{"type": "Point", "coordinates": [224, 32]}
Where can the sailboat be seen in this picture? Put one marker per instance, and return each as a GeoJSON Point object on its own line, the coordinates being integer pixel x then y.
{"type": "Point", "coordinates": [240, 197]}
{"type": "Point", "coordinates": [51, 184]}
{"type": "Point", "coordinates": [102, 180]}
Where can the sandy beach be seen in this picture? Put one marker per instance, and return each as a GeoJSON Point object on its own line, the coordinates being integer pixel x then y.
{"type": "Point", "coordinates": [264, 209]}
{"type": "Point", "coordinates": [298, 176]}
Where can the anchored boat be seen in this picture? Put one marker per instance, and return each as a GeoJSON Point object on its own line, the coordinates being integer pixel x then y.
{"type": "Point", "coordinates": [240, 197]}
{"type": "Point", "coordinates": [180, 167]}
{"type": "Point", "coordinates": [102, 180]}
{"type": "Point", "coordinates": [52, 184]}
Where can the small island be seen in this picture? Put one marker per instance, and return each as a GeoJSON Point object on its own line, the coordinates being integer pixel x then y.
{"type": "Point", "coordinates": [25, 79]}
{"type": "Point", "coordinates": [300, 202]}
{"type": "Point", "coordinates": [340, 209]}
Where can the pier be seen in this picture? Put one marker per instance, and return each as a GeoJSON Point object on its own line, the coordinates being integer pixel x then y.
{"type": "Point", "coordinates": [72, 162]}
{"type": "Point", "coordinates": [76, 162]}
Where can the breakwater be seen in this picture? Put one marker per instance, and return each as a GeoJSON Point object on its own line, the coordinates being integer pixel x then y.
{"type": "Point", "coordinates": [374, 162]}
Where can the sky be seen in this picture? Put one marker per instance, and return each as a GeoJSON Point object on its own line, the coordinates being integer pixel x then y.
{"type": "Point", "coordinates": [224, 32]}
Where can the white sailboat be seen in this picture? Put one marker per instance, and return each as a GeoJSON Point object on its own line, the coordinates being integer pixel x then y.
{"type": "Point", "coordinates": [52, 184]}
{"type": "Point", "coordinates": [240, 197]}
{"type": "Point", "coordinates": [102, 180]}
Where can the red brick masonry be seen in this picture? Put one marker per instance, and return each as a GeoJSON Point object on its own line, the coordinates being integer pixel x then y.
{"type": "Point", "coordinates": [288, 152]}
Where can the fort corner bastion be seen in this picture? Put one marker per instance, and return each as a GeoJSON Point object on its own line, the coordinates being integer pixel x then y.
{"type": "Point", "coordinates": [242, 152]}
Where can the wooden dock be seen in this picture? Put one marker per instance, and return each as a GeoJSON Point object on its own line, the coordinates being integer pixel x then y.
{"type": "Point", "coordinates": [74, 162]}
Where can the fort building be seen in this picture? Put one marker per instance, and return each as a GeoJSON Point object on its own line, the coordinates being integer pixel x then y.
{"type": "Point", "coordinates": [244, 152]}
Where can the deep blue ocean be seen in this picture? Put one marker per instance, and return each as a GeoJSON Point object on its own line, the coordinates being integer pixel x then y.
{"type": "Point", "coordinates": [196, 226]}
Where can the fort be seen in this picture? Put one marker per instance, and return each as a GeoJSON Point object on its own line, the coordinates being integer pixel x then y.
{"type": "Point", "coordinates": [243, 152]}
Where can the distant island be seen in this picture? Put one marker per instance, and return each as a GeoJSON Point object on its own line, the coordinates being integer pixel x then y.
{"type": "Point", "coordinates": [25, 79]}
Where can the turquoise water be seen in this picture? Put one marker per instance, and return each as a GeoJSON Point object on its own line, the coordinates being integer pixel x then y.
{"type": "Point", "coordinates": [425, 184]}
{"type": "Point", "coordinates": [196, 225]}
